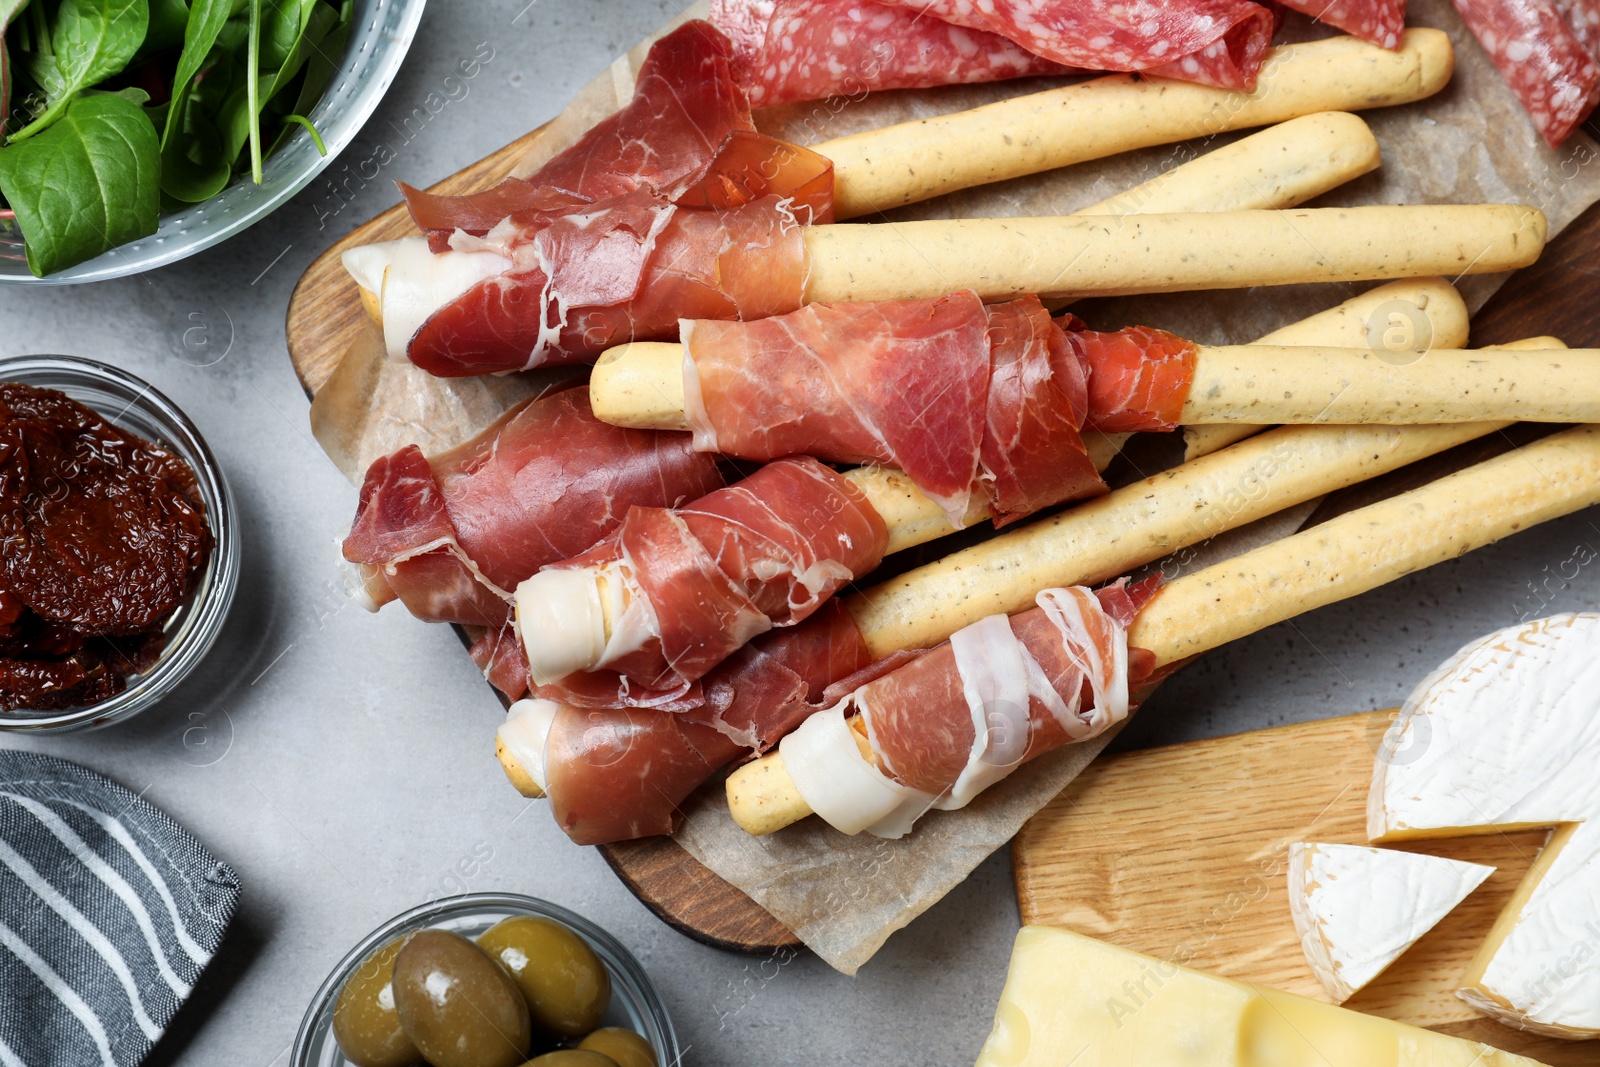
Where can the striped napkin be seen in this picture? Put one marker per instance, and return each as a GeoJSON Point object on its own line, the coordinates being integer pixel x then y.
{"type": "Point", "coordinates": [109, 911]}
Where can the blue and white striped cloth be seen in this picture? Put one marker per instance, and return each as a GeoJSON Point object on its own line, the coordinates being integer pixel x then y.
{"type": "Point", "coordinates": [109, 911]}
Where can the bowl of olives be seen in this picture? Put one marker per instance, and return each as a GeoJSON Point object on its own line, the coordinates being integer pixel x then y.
{"type": "Point", "coordinates": [487, 980]}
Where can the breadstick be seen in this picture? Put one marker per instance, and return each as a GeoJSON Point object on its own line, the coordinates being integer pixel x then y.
{"type": "Point", "coordinates": [1428, 313]}
{"type": "Point", "coordinates": [1116, 256]}
{"type": "Point", "coordinates": [1270, 385]}
{"type": "Point", "coordinates": [886, 168]}
{"type": "Point", "coordinates": [641, 385]}
{"type": "Point", "coordinates": [1352, 554]}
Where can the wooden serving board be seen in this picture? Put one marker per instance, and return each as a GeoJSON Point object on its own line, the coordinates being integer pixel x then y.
{"type": "Point", "coordinates": [325, 320]}
{"type": "Point", "coordinates": [1181, 852]}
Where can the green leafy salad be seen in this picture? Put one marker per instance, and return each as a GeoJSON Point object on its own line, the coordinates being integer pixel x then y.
{"type": "Point", "coordinates": [116, 111]}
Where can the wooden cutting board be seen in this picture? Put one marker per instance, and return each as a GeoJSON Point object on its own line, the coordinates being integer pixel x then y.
{"type": "Point", "coordinates": [1181, 852]}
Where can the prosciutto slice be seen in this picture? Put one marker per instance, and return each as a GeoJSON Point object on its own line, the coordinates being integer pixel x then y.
{"type": "Point", "coordinates": [1139, 378]}
{"type": "Point", "coordinates": [613, 774]}
{"type": "Point", "coordinates": [623, 269]}
{"type": "Point", "coordinates": [451, 536]}
{"type": "Point", "coordinates": [1538, 51]}
{"type": "Point", "coordinates": [686, 103]}
{"type": "Point", "coordinates": [962, 716]}
{"type": "Point", "coordinates": [789, 50]}
{"type": "Point", "coordinates": [1214, 42]}
{"type": "Point", "coordinates": [703, 580]}
{"type": "Point", "coordinates": [978, 405]}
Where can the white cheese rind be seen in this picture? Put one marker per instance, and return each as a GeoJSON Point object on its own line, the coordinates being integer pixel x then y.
{"type": "Point", "coordinates": [1506, 734]}
{"type": "Point", "coordinates": [1358, 909]}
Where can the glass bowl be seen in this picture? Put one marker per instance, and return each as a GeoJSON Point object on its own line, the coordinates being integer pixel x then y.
{"type": "Point", "coordinates": [380, 35]}
{"type": "Point", "coordinates": [132, 404]}
{"type": "Point", "coordinates": [635, 1004]}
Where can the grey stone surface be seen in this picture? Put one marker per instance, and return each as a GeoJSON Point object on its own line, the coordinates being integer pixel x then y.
{"type": "Point", "coordinates": [339, 761]}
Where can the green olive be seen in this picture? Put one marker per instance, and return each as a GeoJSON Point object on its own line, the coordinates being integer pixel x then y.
{"type": "Point", "coordinates": [565, 983]}
{"type": "Point", "coordinates": [627, 1048]}
{"type": "Point", "coordinates": [571, 1057]}
{"type": "Point", "coordinates": [457, 1005]}
{"type": "Point", "coordinates": [365, 1023]}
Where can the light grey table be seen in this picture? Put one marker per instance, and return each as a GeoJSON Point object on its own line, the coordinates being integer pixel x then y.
{"type": "Point", "coordinates": [338, 760]}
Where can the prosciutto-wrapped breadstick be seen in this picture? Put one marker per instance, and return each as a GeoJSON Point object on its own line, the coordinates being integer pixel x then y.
{"type": "Point", "coordinates": [904, 383]}
{"type": "Point", "coordinates": [450, 536]}
{"type": "Point", "coordinates": [1004, 690]}
{"type": "Point", "coordinates": [676, 206]}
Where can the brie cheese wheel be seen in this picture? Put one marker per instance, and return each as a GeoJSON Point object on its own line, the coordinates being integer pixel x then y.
{"type": "Point", "coordinates": [1072, 1000]}
{"type": "Point", "coordinates": [1505, 735]}
{"type": "Point", "coordinates": [1358, 909]}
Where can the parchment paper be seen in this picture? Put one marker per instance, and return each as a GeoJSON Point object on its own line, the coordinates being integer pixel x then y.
{"type": "Point", "coordinates": [844, 896]}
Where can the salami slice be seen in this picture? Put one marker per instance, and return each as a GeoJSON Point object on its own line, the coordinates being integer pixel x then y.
{"type": "Point", "coordinates": [789, 50]}
{"type": "Point", "coordinates": [1214, 42]}
{"type": "Point", "coordinates": [1542, 57]}
{"type": "Point", "coordinates": [1379, 21]}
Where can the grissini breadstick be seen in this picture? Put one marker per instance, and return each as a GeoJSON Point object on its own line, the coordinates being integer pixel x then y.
{"type": "Point", "coordinates": [1341, 558]}
{"type": "Point", "coordinates": [1205, 439]}
{"type": "Point", "coordinates": [641, 385]}
{"type": "Point", "coordinates": [1080, 255]}
{"type": "Point", "coordinates": [881, 169]}
{"type": "Point", "coordinates": [568, 617]}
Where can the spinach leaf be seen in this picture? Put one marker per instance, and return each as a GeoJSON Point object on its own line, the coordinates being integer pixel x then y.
{"type": "Point", "coordinates": [206, 19]}
{"type": "Point", "coordinates": [87, 184]}
{"type": "Point", "coordinates": [194, 167]}
{"type": "Point", "coordinates": [90, 40]}
{"type": "Point", "coordinates": [237, 120]}
{"type": "Point", "coordinates": [168, 19]}
{"type": "Point", "coordinates": [8, 11]}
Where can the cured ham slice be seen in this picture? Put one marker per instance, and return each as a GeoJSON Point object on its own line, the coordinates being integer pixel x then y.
{"type": "Point", "coordinates": [1379, 21]}
{"type": "Point", "coordinates": [700, 581]}
{"type": "Point", "coordinates": [621, 774]}
{"type": "Point", "coordinates": [624, 269]}
{"type": "Point", "coordinates": [685, 105]}
{"type": "Point", "coordinates": [613, 774]}
{"type": "Point", "coordinates": [452, 536]}
{"type": "Point", "coordinates": [789, 50]}
{"type": "Point", "coordinates": [1032, 454]}
{"type": "Point", "coordinates": [1139, 378]}
{"type": "Point", "coordinates": [1214, 42]}
{"type": "Point", "coordinates": [938, 730]}
{"type": "Point", "coordinates": [1539, 53]}
{"type": "Point", "coordinates": [899, 382]}
{"type": "Point", "coordinates": [978, 405]}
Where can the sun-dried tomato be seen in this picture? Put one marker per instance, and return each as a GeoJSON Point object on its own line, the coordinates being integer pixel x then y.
{"type": "Point", "coordinates": [102, 536]}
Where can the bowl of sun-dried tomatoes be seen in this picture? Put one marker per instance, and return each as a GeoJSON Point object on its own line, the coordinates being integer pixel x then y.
{"type": "Point", "coordinates": [118, 554]}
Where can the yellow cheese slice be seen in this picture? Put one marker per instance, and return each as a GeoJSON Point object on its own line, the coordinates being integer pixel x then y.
{"type": "Point", "coordinates": [1072, 1000]}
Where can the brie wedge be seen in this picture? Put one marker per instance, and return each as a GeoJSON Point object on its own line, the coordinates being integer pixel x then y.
{"type": "Point", "coordinates": [1506, 735]}
{"type": "Point", "coordinates": [1072, 1000]}
{"type": "Point", "coordinates": [1358, 909]}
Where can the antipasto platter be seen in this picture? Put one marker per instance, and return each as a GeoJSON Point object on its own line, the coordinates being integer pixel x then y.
{"type": "Point", "coordinates": [782, 398]}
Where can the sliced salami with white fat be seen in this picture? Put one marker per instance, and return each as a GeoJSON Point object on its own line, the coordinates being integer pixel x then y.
{"type": "Point", "coordinates": [1541, 56]}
